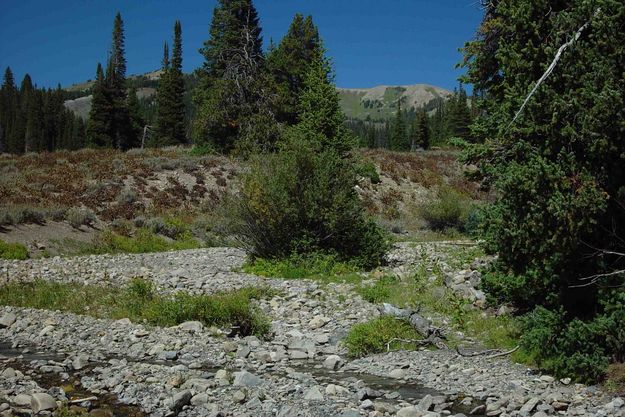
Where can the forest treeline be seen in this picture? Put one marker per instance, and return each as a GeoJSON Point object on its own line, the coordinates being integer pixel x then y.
{"type": "Point", "coordinates": [240, 106]}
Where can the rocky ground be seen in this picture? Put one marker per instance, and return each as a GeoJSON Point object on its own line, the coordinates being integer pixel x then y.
{"type": "Point", "coordinates": [303, 370]}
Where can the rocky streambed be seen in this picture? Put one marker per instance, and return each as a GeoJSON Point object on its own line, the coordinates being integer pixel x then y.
{"type": "Point", "coordinates": [303, 370]}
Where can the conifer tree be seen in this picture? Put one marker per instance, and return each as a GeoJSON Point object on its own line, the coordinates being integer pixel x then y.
{"type": "Point", "coordinates": [420, 133]}
{"type": "Point", "coordinates": [289, 62]}
{"type": "Point", "coordinates": [398, 139]}
{"type": "Point", "coordinates": [170, 96]}
{"type": "Point", "coordinates": [99, 124]}
{"type": "Point", "coordinates": [319, 106]}
{"type": "Point", "coordinates": [232, 98]}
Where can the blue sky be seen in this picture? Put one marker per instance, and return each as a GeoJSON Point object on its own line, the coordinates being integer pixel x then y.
{"type": "Point", "coordinates": [372, 42]}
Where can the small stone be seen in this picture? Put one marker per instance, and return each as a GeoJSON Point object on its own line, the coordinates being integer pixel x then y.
{"type": "Point", "coordinates": [42, 402]}
{"type": "Point", "coordinates": [318, 322]}
{"type": "Point", "coordinates": [7, 320]}
{"type": "Point", "coordinates": [21, 400]}
{"type": "Point", "coordinates": [548, 379]}
{"type": "Point", "coordinates": [411, 411]}
{"type": "Point", "coordinates": [366, 405]}
{"type": "Point", "coordinates": [199, 399]}
{"type": "Point", "coordinates": [480, 409]}
{"type": "Point", "coordinates": [243, 352]}
{"type": "Point", "coordinates": [229, 346]}
{"type": "Point", "coordinates": [181, 399]}
{"type": "Point", "coordinates": [191, 326]}
{"type": "Point", "coordinates": [80, 362]}
{"type": "Point", "coordinates": [565, 381]}
{"type": "Point", "coordinates": [529, 406]}
{"type": "Point", "coordinates": [398, 374]}
{"type": "Point", "coordinates": [8, 373]}
{"type": "Point", "coordinates": [332, 362]}
{"type": "Point", "coordinates": [246, 379]}
{"type": "Point", "coordinates": [238, 396]}
{"type": "Point", "coordinates": [559, 406]}
{"type": "Point", "coordinates": [313, 394]}
{"type": "Point", "coordinates": [46, 330]}
{"type": "Point", "coordinates": [425, 403]}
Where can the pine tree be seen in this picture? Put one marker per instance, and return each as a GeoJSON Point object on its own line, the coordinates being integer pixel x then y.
{"type": "Point", "coordinates": [233, 108]}
{"type": "Point", "coordinates": [398, 139]}
{"type": "Point", "coordinates": [122, 133]}
{"type": "Point", "coordinates": [289, 62]}
{"type": "Point", "coordinates": [170, 96]}
{"type": "Point", "coordinates": [11, 112]}
{"type": "Point", "coordinates": [320, 110]}
{"type": "Point", "coordinates": [99, 129]}
{"type": "Point", "coordinates": [459, 114]}
{"type": "Point", "coordinates": [558, 170]}
{"type": "Point", "coordinates": [134, 110]}
{"type": "Point", "coordinates": [420, 132]}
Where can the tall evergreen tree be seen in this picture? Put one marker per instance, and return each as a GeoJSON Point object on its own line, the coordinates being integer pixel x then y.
{"type": "Point", "coordinates": [232, 98]}
{"type": "Point", "coordinates": [558, 168]}
{"type": "Point", "coordinates": [399, 135]}
{"type": "Point", "coordinates": [170, 95]}
{"type": "Point", "coordinates": [288, 64]}
{"type": "Point", "coordinates": [320, 109]}
{"type": "Point", "coordinates": [99, 125]}
{"type": "Point", "coordinates": [420, 132]}
{"type": "Point", "coordinates": [459, 114]}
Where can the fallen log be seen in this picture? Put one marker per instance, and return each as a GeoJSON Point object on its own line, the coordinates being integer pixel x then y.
{"type": "Point", "coordinates": [432, 335]}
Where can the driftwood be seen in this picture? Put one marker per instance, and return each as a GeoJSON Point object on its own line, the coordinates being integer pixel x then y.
{"type": "Point", "coordinates": [431, 335]}
{"type": "Point", "coordinates": [492, 353]}
{"type": "Point", "coordinates": [552, 66]}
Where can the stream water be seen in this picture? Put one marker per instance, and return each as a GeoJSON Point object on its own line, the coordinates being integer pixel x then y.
{"type": "Point", "coordinates": [392, 390]}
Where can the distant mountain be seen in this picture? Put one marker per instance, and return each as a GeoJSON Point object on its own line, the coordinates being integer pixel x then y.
{"type": "Point", "coordinates": [380, 103]}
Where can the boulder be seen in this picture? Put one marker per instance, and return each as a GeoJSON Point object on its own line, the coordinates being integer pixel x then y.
{"type": "Point", "coordinates": [42, 402]}
{"type": "Point", "coordinates": [7, 320]}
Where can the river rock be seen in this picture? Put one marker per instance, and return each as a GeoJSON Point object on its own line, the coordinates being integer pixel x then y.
{"type": "Point", "coordinates": [42, 402]}
{"type": "Point", "coordinates": [7, 320]}
{"type": "Point", "coordinates": [333, 362]}
{"type": "Point", "coordinates": [181, 399]}
{"type": "Point", "coordinates": [22, 400]}
{"type": "Point", "coordinates": [191, 326]}
{"type": "Point", "coordinates": [246, 379]}
{"type": "Point", "coordinates": [313, 394]}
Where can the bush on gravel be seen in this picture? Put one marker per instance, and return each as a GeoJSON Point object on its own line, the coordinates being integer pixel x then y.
{"type": "Point", "coordinates": [373, 336]}
{"type": "Point", "coordinates": [13, 251]}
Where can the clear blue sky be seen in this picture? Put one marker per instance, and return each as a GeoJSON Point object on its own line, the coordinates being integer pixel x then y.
{"type": "Point", "coordinates": [372, 42]}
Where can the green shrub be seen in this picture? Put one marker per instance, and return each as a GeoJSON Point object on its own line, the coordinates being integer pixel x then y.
{"type": "Point", "coordinates": [79, 216]}
{"type": "Point", "coordinates": [302, 200]}
{"type": "Point", "coordinates": [368, 170]}
{"type": "Point", "coordinates": [13, 251]}
{"type": "Point", "coordinates": [450, 210]}
{"type": "Point", "coordinates": [373, 336]}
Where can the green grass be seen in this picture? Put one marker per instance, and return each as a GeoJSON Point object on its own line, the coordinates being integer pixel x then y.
{"type": "Point", "coordinates": [433, 298]}
{"type": "Point", "coordinates": [319, 267]}
{"type": "Point", "coordinates": [372, 337]}
{"type": "Point", "coordinates": [143, 241]}
{"type": "Point", "coordinates": [13, 251]}
{"type": "Point", "coordinates": [140, 302]}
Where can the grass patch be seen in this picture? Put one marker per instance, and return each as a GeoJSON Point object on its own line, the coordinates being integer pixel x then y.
{"type": "Point", "coordinates": [426, 291]}
{"type": "Point", "coordinates": [143, 241]}
{"type": "Point", "coordinates": [372, 337]}
{"type": "Point", "coordinates": [140, 302]}
{"type": "Point", "coordinates": [321, 267]}
{"type": "Point", "coordinates": [13, 251]}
